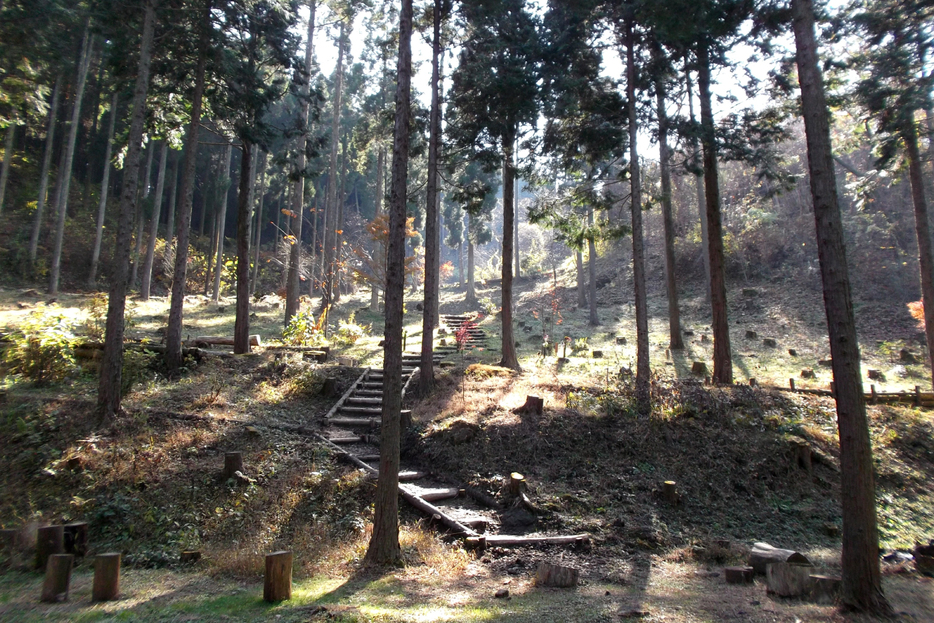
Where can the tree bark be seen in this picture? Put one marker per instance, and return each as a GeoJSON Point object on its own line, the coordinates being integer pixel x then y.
{"type": "Point", "coordinates": [227, 181]}
{"type": "Point", "coordinates": [471, 297]}
{"type": "Point", "coordinates": [380, 168]}
{"type": "Point", "coordinates": [297, 187]}
{"type": "Point", "coordinates": [331, 209]}
{"type": "Point", "coordinates": [581, 282]}
{"type": "Point", "coordinates": [675, 341]}
{"type": "Point", "coordinates": [426, 377]}
{"type": "Point", "coordinates": [244, 203]}
{"type": "Point", "coordinates": [108, 392]}
{"type": "Point", "coordinates": [384, 543]}
{"type": "Point", "coordinates": [143, 191]}
{"type": "Point", "coordinates": [510, 359]}
{"type": "Point", "coordinates": [154, 224]}
{"type": "Point", "coordinates": [643, 372]}
{"type": "Point", "coordinates": [44, 175]}
{"type": "Point", "coordinates": [7, 159]}
{"type": "Point", "coordinates": [862, 581]}
{"type": "Point", "coordinates": [259, 222]}
{"type": "Point", "coordinates": [84, 64]}
{"type": "Point", "coordinates": [592, 270]}
{"type": "Point", "coordinates": [699, 188]}
{"type": "Point", "coordinates": [105, 188]}
{"type": "Point", "coordinates": [922, 227]}
{"type": "Point", "coordinates": [173, 203]}
{"type": "Point", "coordinates": [722, 358]}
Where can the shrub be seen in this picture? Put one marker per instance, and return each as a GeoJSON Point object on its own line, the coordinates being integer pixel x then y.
{"type": "Point", "coordinates": [349, 332]}
{"type": "Point", "coordinates": [42, 350]}
{"type": "Point", "coordinates": [304, 330]}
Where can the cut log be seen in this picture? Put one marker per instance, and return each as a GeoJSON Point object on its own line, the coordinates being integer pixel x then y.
{"type": "Point", "coordinates": [57, 578]}
{"type": "Point", "coordinates": [277, 584]}
{"type": "Point", "coordinates": [106, 577]}
{"type": "Point", "coordinates": [50, 540]}
{"type": "Point", "coordinates": [762, 554]}
{"type": "Point", "coordinates": [825, 589]}
{"type": "Point", "coordinates": [505, 540]}
{"type": "Point", "coordinates": [433, 495]}
{"type": "Point", "coordinates": [739, 575]}
{"type": "Point", "coordinates": [189, 557]}
{"type": "Point", "coordinates": [431, 510]}
{"type": "Point", "coordinates": [556, 575]}
{"type": "Point", "coordinates": [213, 340]}
{"type": "Point", "coordinates": [788, 579]}
{"type": "Point", "coordinates": [76, 538]}
{"type": "Point", "coordinates": [670, 492]}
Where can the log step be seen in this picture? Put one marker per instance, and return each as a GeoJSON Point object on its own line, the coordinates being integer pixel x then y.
{"type": "Point", "coordinates": [404, 476]}
{"type": "Point", "coordinates": [502, 540]}
{"type": "Point", "coordinates": [363, 400]}
{"type": "Point", "coordinates": [354, 422]}
{"type": "Point", "coordinates": [346, 439]}
{"type": "Point", "coordinates": [368, 392]}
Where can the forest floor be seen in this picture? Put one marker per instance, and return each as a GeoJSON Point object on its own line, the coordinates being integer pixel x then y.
{"type": "Point", "coordinates": [148, 484]}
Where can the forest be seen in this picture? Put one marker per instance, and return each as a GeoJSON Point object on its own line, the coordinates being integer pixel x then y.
{"type": "Point", "coordinates": [460, 311]}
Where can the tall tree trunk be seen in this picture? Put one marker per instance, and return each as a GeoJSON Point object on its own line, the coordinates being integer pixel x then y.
{"type": "Point", "coordinates": [141, 213]}
{"type": "Point", "coordinates": [94, 111]}
{"type": "Point", "coordinates": [339, 225]}
{"type": "Point", "coordinates": [62, 208]}
{"type": "Point", "coordinates": [722, 358]}
{"type": "Point", "coordinates": [460, 263]}
{"type": "Point", "coordinates": [510, 359]}
{"type": "Point", "coordinates": [581, 281]}
{"type": "Point", "coordinates": [259, 221]}
{"type": "Point", "coordinates": [173, 202]}
{"type": "Point", "coordinates": [7, 159]}
{"type": "Point", "coordinates": [675, 341]}
{"type": "Point", "coordinates": [297, 190]}
{"type": "Point", "coordinates": [862, 582]}
{"type": "Point", "coordinates": [643, 371]}
{"type": "Point", "coordinates": [515, 233]}
{"type": "Point", "coordinates": [330, 214]}
{"type": "Point", "coordinates": [105, 187]}
{"type": "Point", "coordinates": [109, 388]}
{"type": "Point", "coordinates": [471, 298]}
{"type": "Point", "coordinates": [173, 335]}
{"type": "Point", "coordinates": [384, 544]}
{"type": "Point", "coordinates": [699, 189]}
{"type": "Point", "coordinates": [380, 169]}
{"type": "Point", "coordinates": [244, 203]}
{"type": "Point", "coordinates": [44, 174]}
{"type": "Point", "coordinates": [227, 182]}
{"type": "Point", "coordinates": [426, 377]}
{"type": "Point", "coordinates": [154, 224]}
{"type": "Point", "coordinates": [592, 270]}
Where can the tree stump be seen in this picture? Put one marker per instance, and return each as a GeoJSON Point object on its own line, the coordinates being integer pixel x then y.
{"type": "Point", "coordinates": [57, 578]}
{"type": "Point", "coordinates": [597, 354]}
{"type": "Point", "coordinates": [621, 340]}
{"type": "Point", "coordinates": [762, 554]}
{"type": "Point", "coordinates": [329, 387]}
{"type": "Point", "coordinates": [792, 352]}
{"type": "Point", "coordinates": [516, 484]}
{"type": "Point", "coordinates": [875, 375]}
{"type": "Point", "coordinates": [699, 368]}
{"type": "Point", "coordinates": [76, 538]}
{"type": "Point", "coordinates": [739, 575]}
{"type": "Point", "coordinates": [788, 579]}
{"type": "Point", "coordinates": [924, 564]}
{"type": "Point", "coordinates": [533, 405]}
{"type": "Point", "coordinates": [189, 557]}
{"type": "Point", "coordinates": [106, 577]}
{"type": "Point", "coordinates": [791, 384]}
{"type": "Point", "coordinates": [670, 492]}
{"type": "Point", "coordinates": [752, 335]}
{"type": "Point", "coordinates": [233, 463]}
{"type": "Point", "coordinates": [277, 585]}
{"type": "Point", "coordinates": [50, 540]}
{"type": "Point", "coordinates": [803, 455]}
{"type": "Point", "coordinates": [556, 575]}
{"type": "Point", "coordinates": [770, 342]}
{"type": "Point", "coordinates": [808, 373]}
{"type": "Point", "coordinates": [825, 589]}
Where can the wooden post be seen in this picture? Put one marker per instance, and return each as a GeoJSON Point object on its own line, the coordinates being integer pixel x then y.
{"type": "Point", "coordinates": [106, 577]}
{"type": "Point", "coordinates": [76, 538]}
{"type": "Point", "coordinates": [277, 585]}
{"type": "Point", "coordinates": [833, 388]}
{"type": "Point", "coordinates": [50, 540]}
{"type": "Point", "coordinates": [233, 462]}
{"type": "Point", "coordinates": [917, 395]}
{"type": "Point", "coordinates": [825, 589]}
{"type": "Point", "coordinates": [670, 492]}
{"type": "Point", "coordinates": [788, 579]}
{"type": "Point", "coordinates": [739, 575]}
{"type": "Point", "coordinates": [803, 455]}
{"type": "Point", "coordinates": [872, 393]}
{"type": "Point", "coordinates": [791, 384]}
{"type": "Point", "coordinates": [57, 578]}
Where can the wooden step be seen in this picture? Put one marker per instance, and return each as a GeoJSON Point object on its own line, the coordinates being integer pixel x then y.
{"type": "Point", "coordinates": [404, 476]}
{"type": "Point", "coordinates": [361, 411]}
{"type": "Point", "coordinates": [347, 439]}
{"type": "Point", "coordinates": [372, 386]}
{"type": "Point", "coordinates": [363, 400]}
{"type": "Point", "coordinates": [367, 392]}
{"type": "Point", "coordinates": [354, 422]}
